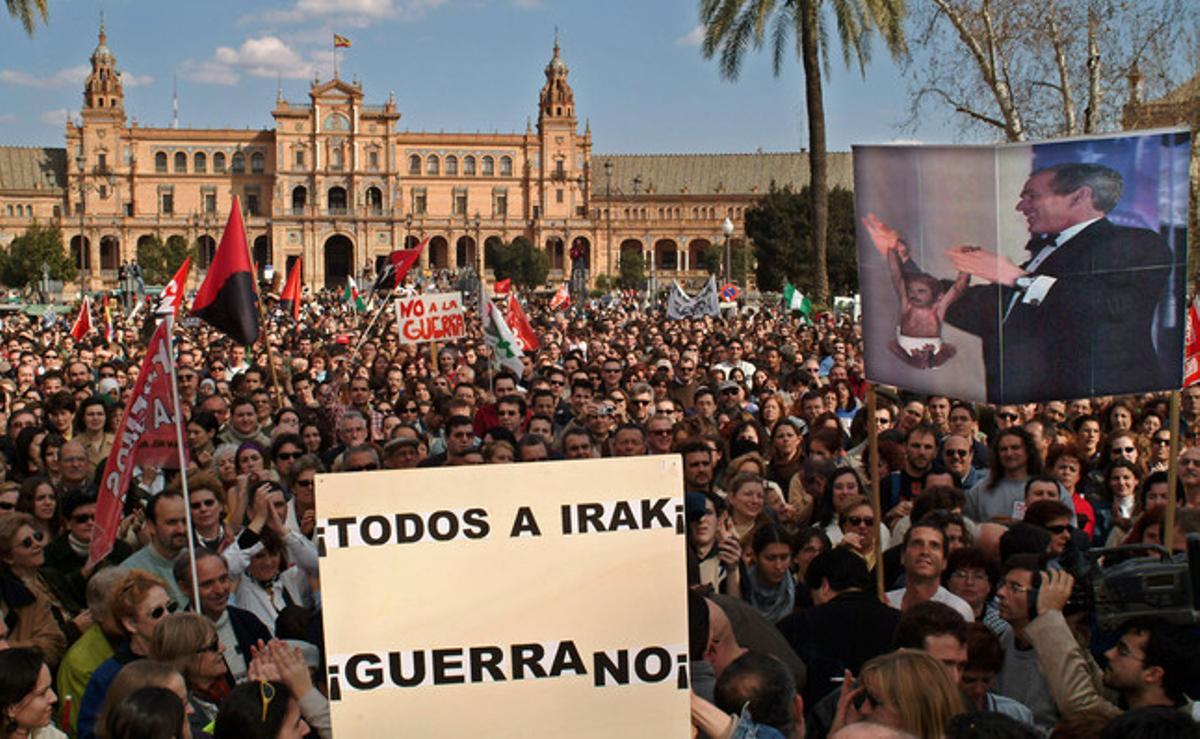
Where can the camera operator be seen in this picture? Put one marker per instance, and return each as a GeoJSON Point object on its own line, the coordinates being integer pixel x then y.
{"type": "Point", "coordinates": [1150, 665]}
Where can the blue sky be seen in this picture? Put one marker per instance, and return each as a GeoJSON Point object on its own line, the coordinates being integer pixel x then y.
{"type": "Point", "coordinates": [471, 65]}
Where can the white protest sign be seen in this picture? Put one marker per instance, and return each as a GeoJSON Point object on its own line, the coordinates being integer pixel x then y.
{"type": "Point", "coordinates": [430, 317]}
{"type": "Point", "coordinates": [507, 601]}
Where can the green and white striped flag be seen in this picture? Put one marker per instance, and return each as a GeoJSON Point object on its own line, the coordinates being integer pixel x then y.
{"type": "Point", "coordinates": [794, 300]}
{"type": "Point", "coordinates": [506, 350]}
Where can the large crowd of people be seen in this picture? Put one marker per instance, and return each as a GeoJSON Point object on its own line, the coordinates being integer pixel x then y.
{"type": "Point", "coordinates": [980, 632]}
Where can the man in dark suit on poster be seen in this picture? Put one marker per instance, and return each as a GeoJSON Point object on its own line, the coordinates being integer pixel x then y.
{"type": "Point", "coordinates": [1076, 318]}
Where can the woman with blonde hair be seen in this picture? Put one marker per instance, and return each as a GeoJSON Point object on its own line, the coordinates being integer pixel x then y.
{"type": "Point", "coordinates": [189, 642]}
{"type": "Point", "coordinates": [907, 690]}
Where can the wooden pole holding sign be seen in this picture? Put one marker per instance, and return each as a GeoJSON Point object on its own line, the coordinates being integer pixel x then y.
{"type": "Point", "coordinates": [873, 476]}
{"type": "Point", "coordinates": [1168, 523]}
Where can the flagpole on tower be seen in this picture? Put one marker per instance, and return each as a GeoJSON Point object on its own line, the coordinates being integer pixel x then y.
{"type": "Point", "coordinates": [335, 64]}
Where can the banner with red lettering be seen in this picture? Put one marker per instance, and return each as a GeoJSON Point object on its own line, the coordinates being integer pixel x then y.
{"type": "Point", "coordinates": [430, 317]}
{"type": "Point", "coordinates": [146, 436]}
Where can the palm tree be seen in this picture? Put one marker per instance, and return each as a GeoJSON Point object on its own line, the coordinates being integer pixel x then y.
{"type": "Point", "coordinates": [734, 26]}
{"type": "Point", "coordinates": [25, 10]}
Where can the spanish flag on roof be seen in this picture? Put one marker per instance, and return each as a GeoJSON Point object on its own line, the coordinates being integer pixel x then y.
{"type": "Point", "coordinates": [340, 42]}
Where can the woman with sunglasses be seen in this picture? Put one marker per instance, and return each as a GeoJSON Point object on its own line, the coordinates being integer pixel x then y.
{"type": "Point", "coordinates": [906, 690]}
{"type": "Point", "coordinates": [139, 602]}
{"type": "Point", "coordinates": [47, 616]}
{"type": "Point", "coordinates": [207, 498]}
{"type": "Point", "coordinates": [858, 528]}
{"type": "Point", "coordinates": [189, 642]}
{"type": "Point", "coordinates": [302, 508]}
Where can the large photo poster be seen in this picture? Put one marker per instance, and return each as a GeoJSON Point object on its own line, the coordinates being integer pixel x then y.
{"type": "Point", "coordinates": [1025, 272]}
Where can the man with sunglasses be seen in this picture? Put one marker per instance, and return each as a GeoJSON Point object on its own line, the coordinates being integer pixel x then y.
{"type": "Point", "coordinates": [958, 453]}
{"type": "Point", "coordinates": [167, 523]}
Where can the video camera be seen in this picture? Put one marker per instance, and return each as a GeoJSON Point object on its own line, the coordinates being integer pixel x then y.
{"type": "Point", "coordinates": [1147, 580]}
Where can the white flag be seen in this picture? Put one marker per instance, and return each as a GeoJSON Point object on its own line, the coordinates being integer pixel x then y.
{"type": "Point", "coordinates": [500, 338]}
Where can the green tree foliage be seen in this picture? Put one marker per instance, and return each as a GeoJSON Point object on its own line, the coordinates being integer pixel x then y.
{"type": "Point", "coordinates": [733, 27]}
{"type": "Point", "coordinates": [520, 261]}
{"type": "Point", "coordinates": [633, 269]}
{"type": "Point", "coordinates": [21, 264]}
{"type": "Point", "coordinates": [779, 224]}
{"type": "Point", "coordinates": [160, 261]}
{"type": "Point", "coordinates": [27, 11]}
{"type": "Point", "coordinates": [712, 259]}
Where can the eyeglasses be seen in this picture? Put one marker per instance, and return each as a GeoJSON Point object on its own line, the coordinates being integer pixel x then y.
{"type": "Point", "coordinates": [266, 691]}
{"type": "Point", "coordinates": [1186, 462]}
{"type": "Point", "coordinates": [1007, 416]}
{"type": "Point", "coordinates": [289, 455]}
{"type": "Point", "coordinates": [1059, 528]}
{"type": "Point", "coordinates": [955, 453]}
{"type": "Point", "coordinates": [1015, 587]}
{"type": "Point", "coordinates": [213, 648]}
{"type": "Point", "coordinates": [860, 520]}
{"type": "Point", "coordinates": [640, 403]}
{"type": "Point", "coordinates": [28, 541]}
{"type": "Point", "coordinates": [730, 391]}
{"type": "Point", "coordinates": [6, 506]}
{"type": "Point", "coordinates": [82, 518]}
{"type": "Point", "coordinates": [302, 484]}
{"type": "Point", "coordinates": [217, 368]}
{"type": "Point", "coordinates": [1124, 450]}
{"type": "Point", "coordinates": [410, 409]}
{"type": "Point", "coordinates": [363, 467]}
{"type": "Point", "coordinates": [206, 503]}
{"type": "Point", "coordinates": [1163, 442]}
{"type": "Point", "coordinates": [969, 575]}
{"type": "Point", "coordinates": [163, 610]}
{"type": "Point", "coordinates": [1123, 651]}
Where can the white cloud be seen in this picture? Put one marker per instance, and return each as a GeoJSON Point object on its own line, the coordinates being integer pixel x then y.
{"type": "Point", "coordinates": [527, 4]}
{"type": "Point", "coordinates": [7, 118]}
{"type": "Point", "coordinates": [69, 77]}
{"type": "Point", "coordinates": [56, 117]}
{"type": "Point", "coordinates": [265, 56]}
{"type": "Point", "coordinates": [692, 38]}
{"type": "Point", "coordinates": [136, 80]}
{"type": "Point", "coordinates": [348, 13]}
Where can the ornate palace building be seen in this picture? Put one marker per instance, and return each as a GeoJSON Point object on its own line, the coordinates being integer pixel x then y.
{"type": "Point", "coordinates": [338, 183]}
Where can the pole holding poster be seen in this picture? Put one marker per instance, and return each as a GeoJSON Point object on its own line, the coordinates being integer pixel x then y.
{"type": "Point", "coordinates": [873, 476]}
{"type": "Point", "coordinates": [183, 462]}
{"type": "Point", "coordinates": [1168, 524]}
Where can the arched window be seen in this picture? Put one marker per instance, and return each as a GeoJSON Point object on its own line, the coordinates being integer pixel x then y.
{"type": "Point", "coordinates": [431, 165]}
{"type": "Point", "coordinates": [451, 164]}
{"type": "Point", "coordinates": [505, 166]}
{"type": "Point", "coordinates": [375, 200]}
{"type": "Point", "coordinates": [219, 162]}
{"type": "Point", "coordinates": [489, 167]}
{"type": "Point", "coordinates": [469, 165]}
{"type": "Point", "coordinates": [257, 163]}
{"type": "Point", "coordinates": [239, 163]}
{"type": "Point", "coordinates": [299, 200]}
{"type": "Point", "coordinates": [160, 162]}
{"type": "Point", "coordinates": [200, 163]}
{"type": "Point", "coordinates": [414, 164]}
{"type": "Point", "coordinates": [180, 161]}
{"type": "Point", "coordinates": [335, 157]}
{"type": "Point", "coordinates": [337, 200]}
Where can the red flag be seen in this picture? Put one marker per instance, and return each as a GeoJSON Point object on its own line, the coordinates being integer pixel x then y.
{"type": "Point", "coordinates": [171, 299]}
{"type": "Point", "coordinates": [519, 324]}
{"type": "Point", "coordinates": [561, 299]}
{"type": "Point", "coordinates": [83, 324]}
{"type": "Point", "coordinates": [289, 299]}
{"type": "Point", "coordinates": [1191, 353]}
{"type": "Point", "coordinates": [502, 286]}
{"type": "Point", "coordinates": [227, 299]}
{"type": "Point", "coordinates": [146, 435]}
{"type": "Point", "coordinates": [399, 263]}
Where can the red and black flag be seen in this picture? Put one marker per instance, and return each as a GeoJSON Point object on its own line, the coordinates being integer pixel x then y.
{"type": "Point", "coordinates": [398, 264]}
{"type": "Point", "coordinates": [227, 299]}
{"type": "Point", "coordinates": [289, 299]}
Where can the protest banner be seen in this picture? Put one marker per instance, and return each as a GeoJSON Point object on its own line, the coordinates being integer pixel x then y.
{"type": "Point", "coordinates": [146, 435]}
{"type": "Point", "coordinates": [1025, 272]}
{"type": "Point", "coordinates": [504, 603]}
{"type": "Point", "coordinates": [430, 317]}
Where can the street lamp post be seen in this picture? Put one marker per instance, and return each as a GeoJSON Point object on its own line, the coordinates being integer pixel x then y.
{"type": "Point", "coordinates": [608, 213]}
{"type": "Point", "coordinates": [479, 259]}
{"type": "Point", "coordinates": [727, 229]}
